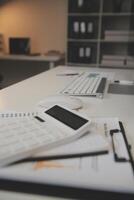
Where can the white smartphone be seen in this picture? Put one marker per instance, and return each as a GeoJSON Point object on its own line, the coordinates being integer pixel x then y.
{"type": "Point", "coordinates": [70, 122]}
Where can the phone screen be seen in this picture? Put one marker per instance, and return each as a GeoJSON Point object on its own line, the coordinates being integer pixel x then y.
{"type": "Point", "coordinates": [66, 117]}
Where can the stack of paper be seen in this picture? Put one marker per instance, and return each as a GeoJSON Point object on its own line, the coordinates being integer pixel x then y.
{"type": "Point", "coordinates": [130, 61]}
{"type": "Point", "coordinates": [116, 35]}
{"type": "Point", "coordinates": [113, 60]}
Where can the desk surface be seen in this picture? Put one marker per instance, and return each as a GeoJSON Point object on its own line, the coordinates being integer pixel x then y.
{"type": "Point", "coordinates": [25, 95]}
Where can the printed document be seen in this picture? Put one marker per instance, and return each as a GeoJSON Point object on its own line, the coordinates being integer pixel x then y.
{"type": "Point", "coordinates": [99, 172]}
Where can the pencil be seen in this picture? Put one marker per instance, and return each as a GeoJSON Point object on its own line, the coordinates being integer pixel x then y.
{"type": "Point", "coordinates": [59, 157]}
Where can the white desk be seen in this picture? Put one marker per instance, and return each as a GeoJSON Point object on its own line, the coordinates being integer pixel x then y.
{"type": "Point", "coordinates": [25, 95]}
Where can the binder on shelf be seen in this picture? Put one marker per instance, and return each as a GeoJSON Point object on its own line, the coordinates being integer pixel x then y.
{"type": "Point", "coordinates": [80, 3]}
{"type": "Point", "coordinates": [83, 27]}
{"type": "Point", "coordinates": [81, 52]}
{"type": "Point", "coordinates": [88, 52]}
{"type": "Point", "coordinates": [90, 27]}
{"type": "Point", "coordinates": [76, 28]}
{"type": "Point", "coordinates": [84, 52]}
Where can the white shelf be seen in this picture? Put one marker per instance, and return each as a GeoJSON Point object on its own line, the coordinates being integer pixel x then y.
{"type": "Point", "coordinates": [82, 40]}
{"type": "Point", "coordinates": [82, 64]}
{"type": "Point", "coordinates": [117, 66]}
{"type": "Point", "coordinates": [115, 41]}
{"type": "Point", "coordinates": [83, 14]}
{"type": "Point", "coordinates": [103, 14]}
{"type": "Point", "coordinates": [118, 14]}
{"type": "Point", "coordinates": [100, 40]}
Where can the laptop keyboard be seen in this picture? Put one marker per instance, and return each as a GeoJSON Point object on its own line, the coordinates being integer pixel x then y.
{"type": "Point", "coordinates": [86, 84]}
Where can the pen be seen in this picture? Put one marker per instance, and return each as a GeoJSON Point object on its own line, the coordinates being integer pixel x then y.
{"type": "Point", "coordinates": [59, 157]}
{"type": "Point", "coordinates": [124, 82]}
{"type": "Point", "coordinates": [68, 74]}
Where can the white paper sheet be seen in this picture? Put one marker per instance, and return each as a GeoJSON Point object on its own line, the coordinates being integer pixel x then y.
{"type": "Point", "coordinates": [95, 140]}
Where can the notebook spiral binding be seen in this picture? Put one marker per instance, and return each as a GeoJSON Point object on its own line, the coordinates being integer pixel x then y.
{"type": "Point", "coordinates": [18, 114]}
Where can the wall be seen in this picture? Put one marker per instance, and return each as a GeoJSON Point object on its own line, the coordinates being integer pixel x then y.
{"type": "Point", "coordinates": [44, 21]}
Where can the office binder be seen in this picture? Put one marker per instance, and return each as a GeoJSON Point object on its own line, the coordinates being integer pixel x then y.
{"type": "Point", "coordinates": [73, 191]}
{"type": "Point", "coordinates": [127, 145]}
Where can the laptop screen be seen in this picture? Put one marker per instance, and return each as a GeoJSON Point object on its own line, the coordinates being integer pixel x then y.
{"type": "Point", "coordinates": [19, 46]}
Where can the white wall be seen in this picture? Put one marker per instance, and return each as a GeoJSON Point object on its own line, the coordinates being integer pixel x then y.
{"type": "Point", "coordinates": [44, 21]}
